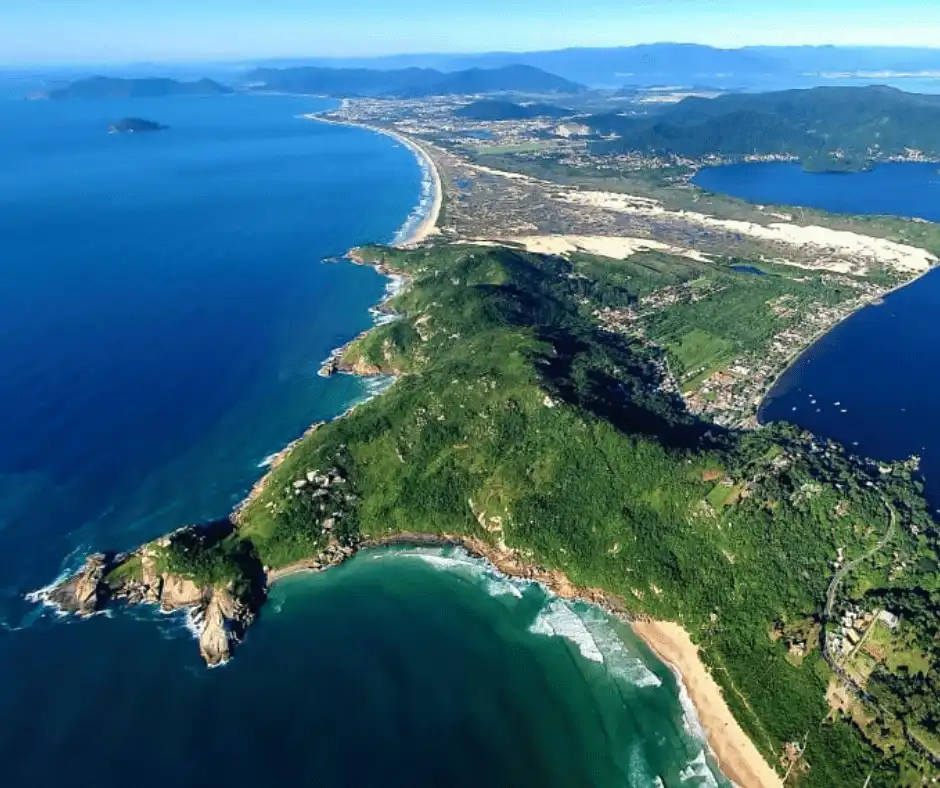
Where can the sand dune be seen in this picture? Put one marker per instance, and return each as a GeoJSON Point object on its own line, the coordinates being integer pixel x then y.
{"type": "Point", "coordinates": [864, 248]}
{"type": "Point", "coordinates": [616, 247]}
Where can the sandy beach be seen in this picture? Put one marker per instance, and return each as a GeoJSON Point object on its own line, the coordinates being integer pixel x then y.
{"type": "Point", "coordinates": [736, 754]}
{"type": "Point", "coordinates": [428, 224]}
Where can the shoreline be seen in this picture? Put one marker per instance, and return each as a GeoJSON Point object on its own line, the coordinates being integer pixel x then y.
{"type": "Point", "coordinates": [732, 749]}
{"type": "Point", "coordinates": [736, 755]}
{"type": "Point", "coordinates": [427, 226]}
{"type": "Point", "coordinates": [797, 355]}
{"type": "Point", "coordinates": [727, 751]}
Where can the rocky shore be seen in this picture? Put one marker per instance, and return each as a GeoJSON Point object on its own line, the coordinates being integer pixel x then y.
{"type": "Point", "coordinates": [221, 614]}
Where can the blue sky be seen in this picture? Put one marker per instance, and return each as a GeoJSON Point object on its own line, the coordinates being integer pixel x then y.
{"type": "Point", "coordinates": [119, 30]}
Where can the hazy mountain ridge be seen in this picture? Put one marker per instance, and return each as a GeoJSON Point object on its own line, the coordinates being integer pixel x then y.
{"type": "Point", "coordinates": [149, 87]}
{"type": "Point", "coordinates": [410, 82]}
{"type": "Point", "coordinates": [658, 63]}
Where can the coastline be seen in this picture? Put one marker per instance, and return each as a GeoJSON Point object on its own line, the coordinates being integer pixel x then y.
{"type": "Point", "coordinates": [710, 713]}
{"type": "Point", "coordinates": [797, 355]}
{"type": "Point", "coordinates": [734, 752]}
{"type": "Point", "coordinates": [737, 756]}
{"type": "Point", "coordinates": [427, 225]}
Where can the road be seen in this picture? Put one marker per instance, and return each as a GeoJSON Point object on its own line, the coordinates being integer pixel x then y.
{"type": "Point", "coordinates": [831, 596]}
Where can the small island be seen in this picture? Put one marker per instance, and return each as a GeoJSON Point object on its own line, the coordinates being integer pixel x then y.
{"type": "Point", "coordinates": [135, 126]}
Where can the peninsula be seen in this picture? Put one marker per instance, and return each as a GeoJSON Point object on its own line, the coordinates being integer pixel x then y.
{"type": "Point", "coordinates": [570, 360]}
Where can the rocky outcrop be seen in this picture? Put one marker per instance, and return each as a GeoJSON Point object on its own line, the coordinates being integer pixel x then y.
{"type": "Point", "coordinates": [220, 614]}
{"type": "Point", "coordinates": [223, 620]}
{"type": "Point", "coordinates": [84, 593]}
{"type": "Point", "coordinates": [151, 579]}
{"type": "Point", "coordinates": [180, 592]}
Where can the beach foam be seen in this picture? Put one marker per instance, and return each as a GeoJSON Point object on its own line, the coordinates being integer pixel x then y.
{"type": "Point", "coordinates": [700, 772]}
{"type": "Point", "coordinates": [461, 562]}
{"type": "Point", "coordinates": [557, 618]}
{"type": "Point", "coordinates": [621, 663]}
{"type": "Point", "coordinates": [425, 204]}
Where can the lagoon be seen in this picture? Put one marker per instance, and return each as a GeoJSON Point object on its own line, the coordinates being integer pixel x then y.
{"type": "Point", "coordinates": [872, 382]}
{"type": "Point", "coordinates": [898, 189]}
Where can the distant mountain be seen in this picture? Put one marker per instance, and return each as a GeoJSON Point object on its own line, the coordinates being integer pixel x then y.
{"type": "Point", "coordinates": [805, 123]}
{"type": "Point", "coordinates": [493, 109]}
{"type": "Point", "coordinates": [671, 63]}
{"type": "Point", "coordinates": [410, 82]}
{"type": "Point", "coordinates": [113, 88]}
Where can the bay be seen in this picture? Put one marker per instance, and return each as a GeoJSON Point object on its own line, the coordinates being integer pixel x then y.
{"type": "Point", "coordinates": [910, 189]}
{"type": "Point", "coordinates": [872, 382]}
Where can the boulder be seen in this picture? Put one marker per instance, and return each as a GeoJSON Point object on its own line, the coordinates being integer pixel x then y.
{"type": "Point", "coordinates": [179, 592]}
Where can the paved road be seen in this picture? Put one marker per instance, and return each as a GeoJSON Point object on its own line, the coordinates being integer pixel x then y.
{"type": "Point", "coordinates": [831, 596]}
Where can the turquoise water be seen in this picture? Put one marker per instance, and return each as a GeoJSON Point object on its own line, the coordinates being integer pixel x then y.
{"type": "Point", "coordinates": [164, 310]}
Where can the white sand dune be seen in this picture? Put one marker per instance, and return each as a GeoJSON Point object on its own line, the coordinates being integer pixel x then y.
{"type": "Point", "coordinates": [615, 247]}
{"type": "Point", "coordinates": [864, 248]}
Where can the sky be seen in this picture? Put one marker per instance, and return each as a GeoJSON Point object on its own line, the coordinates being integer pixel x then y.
{"type": "Point", "coordinates": [110, 31]}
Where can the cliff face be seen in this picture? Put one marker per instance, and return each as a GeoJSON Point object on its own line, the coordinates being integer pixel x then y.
{"type": "Point", "coordinates": [83, 593]}
{"type": "Point", "coordinates": [220, 613]}
{"type": "Point", "coordinates": [223, 617]}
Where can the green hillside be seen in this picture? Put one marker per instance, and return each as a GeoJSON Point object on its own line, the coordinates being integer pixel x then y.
{"type": "Point", "coordinates": [865, 122]}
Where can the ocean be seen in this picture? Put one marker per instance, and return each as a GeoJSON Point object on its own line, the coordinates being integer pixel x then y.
{"type": "Point", "coordinates": [166, 303]}
{"type": "Point", "coordinates": [871, 383]}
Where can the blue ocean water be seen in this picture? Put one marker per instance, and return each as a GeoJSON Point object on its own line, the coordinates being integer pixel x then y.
{"type": "Point", "coordinates": [872, 382]}
{"type": "Point", "coordinates": [163, 313]}
{"type": "Point", "coordinates": [899, 189]}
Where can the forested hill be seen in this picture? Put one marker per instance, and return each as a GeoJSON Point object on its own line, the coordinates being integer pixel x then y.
{"type": "Point", "coordinates": [493, 109]}
{"type": "Point", "coordinates": [410, 82]}
{"type": "Point", "coordinates": [521, 422]}
{"type": "Point", "coordinates": [860, 121]}
{"type": "Point", "coordinates": [114, 88]}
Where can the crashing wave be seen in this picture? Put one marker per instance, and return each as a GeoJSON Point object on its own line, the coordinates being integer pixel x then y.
{"type": "Point", "coordinates": [621, 663]}
{"type": "Point", "coordinates": [557, 618]}
{"type": "Point", "coordinates": [425, 203]}
{"type": "Point", "coordinates": [461, 562]}
{"type": "Point", "coordinates": [699, 771]}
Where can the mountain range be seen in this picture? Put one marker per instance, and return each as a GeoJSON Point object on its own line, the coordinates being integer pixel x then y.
{"type": "Point", "coordinates": [409, 82]}
{"type": "Point", "coordinates": [668, 63]}
{"type": "Point", "coordinates": [864, 121]}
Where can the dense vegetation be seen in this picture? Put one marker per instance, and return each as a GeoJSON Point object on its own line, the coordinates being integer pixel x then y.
{"type": "Point", "coordinates": [864, 122]}
{"type": "Point", "coordinates": [518, 419]}
{"type": "Point", "coordinates": [494, 109]}
{"type": "Point", "coordinates": [410, 82]}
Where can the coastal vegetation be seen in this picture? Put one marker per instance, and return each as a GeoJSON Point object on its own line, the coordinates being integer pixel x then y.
{"type": "Point", "coordinates": [523, 426]}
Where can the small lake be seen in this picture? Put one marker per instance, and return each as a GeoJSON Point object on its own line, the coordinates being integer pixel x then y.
{"type": "Point", "coordinates": [899, 189]}
{"type": "Point", "coordinates": [873, 382]}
